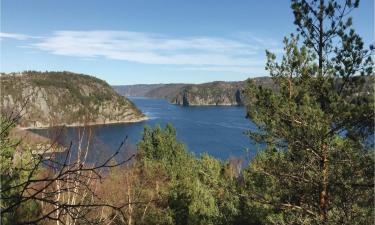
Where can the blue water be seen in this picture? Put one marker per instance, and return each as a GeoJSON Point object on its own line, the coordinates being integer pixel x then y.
{"type": "Point", "coordinates": [216, 130]}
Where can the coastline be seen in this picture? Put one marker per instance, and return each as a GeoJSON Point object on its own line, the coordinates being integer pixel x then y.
{"type": "Point", "coordinates": [39, 144]}
{"type": "Point", "coordinates": [141, 119]}
{"type": "Point", "coordinates": [208, 105]}
{"type": "Point", "coordinates": [233, 104]}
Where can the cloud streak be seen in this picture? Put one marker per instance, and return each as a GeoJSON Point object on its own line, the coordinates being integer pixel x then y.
{"type": "Point", "coordinates": [20, 37]}
{"type": "Point", "coordinates": [200, 53]}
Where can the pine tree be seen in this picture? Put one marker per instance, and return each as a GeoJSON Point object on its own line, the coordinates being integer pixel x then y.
{"type": "Point", "coordinates": [317, 124]}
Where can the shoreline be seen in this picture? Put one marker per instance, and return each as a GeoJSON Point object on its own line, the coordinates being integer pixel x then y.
{"type": "Point", "coordinates": [144, 118]}
{"type": "Point", "coordinates": [190, 105]}
{"type": "Point", "coordinates": [208, 105]}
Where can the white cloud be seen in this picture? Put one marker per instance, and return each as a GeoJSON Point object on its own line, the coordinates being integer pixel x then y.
{"type": "Point", "coordinates": [16, 36]}
{"type": "Point", "coordinates": [200, 53]}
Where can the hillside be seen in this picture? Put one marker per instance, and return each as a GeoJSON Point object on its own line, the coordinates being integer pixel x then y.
{"type": "Point", "coordinates": [167, 91]}
{"type": "Point", "coordinates": [137, 90]}
{"type": "Point", "coordinates": [212, 93]}
{"type": "Point", "coordinates": [215, 93]}
{"type": "Point", "coordinates": [64, 98]}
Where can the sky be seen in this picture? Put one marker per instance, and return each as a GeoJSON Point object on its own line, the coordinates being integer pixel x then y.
{"type": "Point", "coordinates": [157, 41]}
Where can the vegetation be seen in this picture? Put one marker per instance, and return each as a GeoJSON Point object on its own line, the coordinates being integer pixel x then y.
{"type": "Point", "coordinates": [46, 190]}
{"type": "Point", "coordinates": [59, 98]}
{"type": "Point", "coordinates": [213, 93]}
{"type": "Point", "coordinates": [167, 91]}
{"type": "Point", "coordinates": [136, 90]}
{"type": "Point", "coordinates": [315, 131]}
{"type": "Point", "coordinates": [317, 166]}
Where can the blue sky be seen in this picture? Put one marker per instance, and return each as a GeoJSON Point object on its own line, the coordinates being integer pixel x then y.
{"type": "Point", "coordinates": [129, 42]}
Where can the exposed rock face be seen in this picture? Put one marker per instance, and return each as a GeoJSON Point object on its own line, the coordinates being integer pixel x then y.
{"type": "Point", "coordinates": [215, 93]}
{"type": "Point", "coordinates": [63, 98]}
{"type": "Point", "coordinates": [231, 93]}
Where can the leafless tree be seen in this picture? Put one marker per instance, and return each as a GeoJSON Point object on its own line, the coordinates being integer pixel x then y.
{"type": "Point", "coordinates": [63, 188]}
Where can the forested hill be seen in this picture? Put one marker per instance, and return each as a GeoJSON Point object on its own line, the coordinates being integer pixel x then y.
{"type": "Point", "coordinates": [64, 98]}
{"type": "Point", "coordinates": [137, 90]}
{"type": "Point", "coordinates": [212, 93]}
{"type": "Point", "coordinates": [215, 93]}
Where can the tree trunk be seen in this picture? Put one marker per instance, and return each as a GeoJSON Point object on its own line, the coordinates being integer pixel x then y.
{"type": "Point", "coordinates": [321, 34]}
{"type": "Point", "coordinates": [130, 221]}
{"type": "Point", "coordinates": [323, 197]}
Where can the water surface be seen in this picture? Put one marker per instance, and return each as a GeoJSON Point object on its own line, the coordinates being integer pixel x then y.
{"type": "Point", "coordinates": [217, 130]}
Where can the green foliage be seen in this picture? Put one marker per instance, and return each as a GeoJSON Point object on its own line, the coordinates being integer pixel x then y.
{"type": "Point", "coordinates": [315, 128]}
{"type": "Point", "coordinates": [68, 81]}
{"type": "Point", "coordinates": [214, 93]}
{"type": "Point", "coordinates": [316, 168]}
{"type": "Point", "coordinates": [57, 98]}
{"type": "Point", "coordinates": [158, 144]}
{"type": "Point", "coordinates": [199, 192]}
{"type": "Point", "coordinates": [14, 169]}
{"type": "Point", "coordinates": [326, 29]}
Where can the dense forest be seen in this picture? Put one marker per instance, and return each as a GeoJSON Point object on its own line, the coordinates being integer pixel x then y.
{"type": "Point", "coordinates": [317, 166]}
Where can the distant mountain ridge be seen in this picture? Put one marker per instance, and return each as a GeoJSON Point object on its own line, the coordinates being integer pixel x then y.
{"type": "Point", "coordinates": [136, 90]}
{"type": "Point", "coordinates": [212, 93]}
{"type": "Point", "coordinates": [64, 98]}
{"type": "Point", "coordinates": [206, 94]}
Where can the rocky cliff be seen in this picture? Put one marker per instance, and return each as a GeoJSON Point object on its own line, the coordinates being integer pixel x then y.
{"type": "Point", "coordinates": [63, 98]}
{"type": "Point", "coordinates": [216, 93]}
{"type": "Point", "coordinates": [213, 93]}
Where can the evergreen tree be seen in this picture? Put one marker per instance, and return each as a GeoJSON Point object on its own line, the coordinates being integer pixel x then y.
{"type": "Point", "coordinates": [14, 169]}
{"type": "Point", "coordinates": [200, 190]}
{"type": "Point", "coordinates": [316, 125]}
